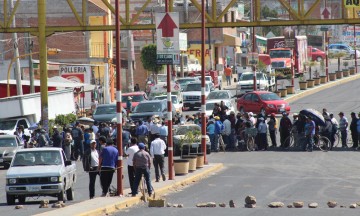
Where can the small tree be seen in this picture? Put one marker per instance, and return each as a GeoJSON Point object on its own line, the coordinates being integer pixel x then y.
{"type": "Point", "coordinates": [338, 55]}
{"type": "Point", "coordinates": [345, 63]}
{"type": "Point", "coordinates": [310, 64]}
{"type": "Point", "coordinates": [148, 59]}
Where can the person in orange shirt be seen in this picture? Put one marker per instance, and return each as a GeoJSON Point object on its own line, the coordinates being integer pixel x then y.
{"type": "Point", "coordinates": [228, 73]}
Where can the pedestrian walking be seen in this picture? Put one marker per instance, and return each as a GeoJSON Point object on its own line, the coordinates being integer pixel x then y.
{"type": "Point", "coordinates": [272, 123]}
{"type": "Point", "coordinates": [353, 129]}
{"type": "Point", "coordinates": [226, 133]}
{"type": "Point", "coordinates": [130, 152]}
{"type": "Point", "coordinates": [157, 151]}
{"type": "Point", "coordinates": [343, 124]}
{"type": "Point", "coordinates": [90, 165]}
{"type": "Point", "coordinates": [219, 128]}
{"type": "Point", "coordinates": [163, 132]}
{"type": "Point", "coordinates": [107, 164]}
{"type": "Point", "coordinates": [78, 137]}
{"type": "Point", "coordinates": [142, 165]}
{"type": "Point", "coordinates": [228, 73]}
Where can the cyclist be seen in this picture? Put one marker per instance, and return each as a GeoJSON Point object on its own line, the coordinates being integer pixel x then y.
{"type": "Point", "coordinates": [343, 124]}
{"type": "Point", "coordinates": [309, 134]}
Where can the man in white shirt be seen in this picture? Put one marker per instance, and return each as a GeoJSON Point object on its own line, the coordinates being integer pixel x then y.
{"type": "Point", "coordinates": [154, 129]}
{"type": "Point", "coordinates": [227, 132]}
{"type": "Point", "coordinates": [130, 155]}
{"type": "Point", "coordinates": [91, 163]}
{"type": "Point", "coordinates": [157, 151]}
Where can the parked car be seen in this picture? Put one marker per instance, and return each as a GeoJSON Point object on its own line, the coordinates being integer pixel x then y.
{"type": "Point", "coordinates": [38, 172]}
{"type": "Point", "coordinates": [137, 97]}
{"type": "Point", "coordinates": [9, 144]}
{"type": "Point", "coordinates": [192, 94]}
{"type": "Point", "coordinates": [221, 94]}
{"type": "Point", "coordinates": [246, 82]}
{"type": "Point", "coordinates": [229, 103]}
{"type": "Point", "coordinates": [344, 48]}
{"type": "Point", "coordinates": [175, 100]}
{"type": "Point", "coordinates": [317, 55]}
{"type": "Point", "coordinates": [107, 113]}
{"type": "Point", "coordinates": [262, 102]}
{"type": "Point", "coordinates": [10, 125]}
{"type": "Point", "coordinates": [146, 109]}
{"type": "Point", "coordinates": [184, 81]}
{"type": "Point", "coordinates": [179, 134]}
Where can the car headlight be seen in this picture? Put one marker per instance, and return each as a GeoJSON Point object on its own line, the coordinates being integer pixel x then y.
{"type": "Point", "coordinates": [12, 181]}
{"type": "Point", "coordinates": [272, 106]}
{"type": "Point", "coordinates": [55, 179]}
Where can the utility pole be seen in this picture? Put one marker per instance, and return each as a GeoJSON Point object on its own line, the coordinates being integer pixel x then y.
{"type": "Point", "coordinates": [31, 69]}
{"type": "Point", "coordinates": [16, 54]}
{"type": "Point", "coordinates": [131, 57]}
{"type": "Point", "coordinates": [209, 38]}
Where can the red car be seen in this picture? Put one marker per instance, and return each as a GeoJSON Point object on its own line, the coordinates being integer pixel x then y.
{"type": "Point", "coordinates": [262, 102]}
{"type": "Point", "coordinates": [137, 97]}
{"type": "Point", "coordinates": [317, 55]}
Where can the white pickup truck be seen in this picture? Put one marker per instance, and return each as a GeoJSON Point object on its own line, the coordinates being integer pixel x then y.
{"type": "Point", "coordinates": [40, 172]}
{"type": "Point", "coordinates": [246, 82]}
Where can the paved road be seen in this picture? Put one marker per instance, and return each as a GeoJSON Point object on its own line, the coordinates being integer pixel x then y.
{"type": "Point", "coordinates": [279, 176]}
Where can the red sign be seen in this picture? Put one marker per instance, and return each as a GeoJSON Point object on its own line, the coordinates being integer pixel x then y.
{"type": "Point", "coordinates": [167, 25]}
{"type": "Point", "coordinates": [75, 77]}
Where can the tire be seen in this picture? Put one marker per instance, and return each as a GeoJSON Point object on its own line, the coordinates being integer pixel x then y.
{"type": "Point", "coordinates": [22, 199]}
{"type": "Point", "coordinates": [61, 196]}
{"type": "Point", "coordinates": [250, 144]}
{"type": "Point", "coordinates": [319, 58]}
{"type": "Point", "coordinates": [10, 199]}
{"type": "Point", "coordinates": [323, 143]}
{"type": "Point", "coordinates": [70, 194]}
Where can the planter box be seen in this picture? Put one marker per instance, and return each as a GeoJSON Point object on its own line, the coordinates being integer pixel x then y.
{"type": "Point", "coordinates": [339, 74]}
{"type": "Point", "coordinates": [200, 160]}
{"type": "Point", "coordinates": [317, 81]}
{"type": "Point", "coordinates": [192, 161]}
{"type": "Point", "coordinates": [181, 167]}
{"type": "Point", "coordinates": [323, 79]}
{"type": "Point", "coordinates": [278, 93]}
{"type": "Point", "coordinates": [303, 85]}
{"type": "Point", "coordinates": [310, 83]}
{"type": "Point", "coordinates": [346, 73]}
{"type": "Point", "coordinates": [283, 92]}
{"type": "Point", "coordinates": [352, 70]}
{"type": "Point", "coordinates": [290, 89]}
{"type": "Point", "coordinates": [332, 76]}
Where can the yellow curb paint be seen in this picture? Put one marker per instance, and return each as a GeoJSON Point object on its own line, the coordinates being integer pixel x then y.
{"type": "Point", "coordinates": [160, 191]}
{"type": "Point", "coordinates": [321, 87]}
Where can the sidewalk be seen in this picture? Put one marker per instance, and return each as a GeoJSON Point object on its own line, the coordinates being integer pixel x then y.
{"type": "Point", "coordinates": [106, 205]}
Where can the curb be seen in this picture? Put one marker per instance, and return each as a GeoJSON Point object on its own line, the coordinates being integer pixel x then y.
{"type": "Point", "coordinates": [311, 91]}
{"type": "Point", "coordinates": [104, 206]}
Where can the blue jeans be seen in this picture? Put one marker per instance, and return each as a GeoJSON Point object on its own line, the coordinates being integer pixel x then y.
{"type": "Point", "coordinates": [139, 172]}
{"type": "Point", "coordinates": [343, 137]}
{"type": "Point", "coordinates": [228, 80]}
{"type": "Point", "coordinates": [212, 140]}
{"type": "Point", "coordinates": [215, 146]}
{"type": "Point", "coordinates": [310, 142]}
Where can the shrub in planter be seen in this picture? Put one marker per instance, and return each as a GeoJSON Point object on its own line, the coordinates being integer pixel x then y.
{"type": "Point", "coordinates": [181, 166]}
{"type": "Point", "coordinates": [332, 76]}
{"type": "Point", "coordinates": [290, 89]}
{"type": "Point", "coordinates": [317, 80]}
{"type": "Point", "coordinates": [352, 70]}
{"type": "Point", "coordinates": [192, 161]}
{"type": "Point", "coordinates": [310, 83]}
{"type": "Point", "coordinates": [339, 74]}
{"type": "Point", "coordinates": [283, 92]}
{"type": "Point", "coordinates": [323, 79]}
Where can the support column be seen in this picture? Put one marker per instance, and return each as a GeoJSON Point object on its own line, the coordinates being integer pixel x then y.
{"type": "Point", "coordinates": [16, 54]}
{"type": "Point", "coordinates": [43, 64]}
{"type": "Point", "coordinates": [203, 102]}
{"type": "Point", "coordinates": [118, 102]}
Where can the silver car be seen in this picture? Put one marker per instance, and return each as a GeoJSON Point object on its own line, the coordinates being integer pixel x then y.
{"type": "Point", "coordinates": [9, 144]}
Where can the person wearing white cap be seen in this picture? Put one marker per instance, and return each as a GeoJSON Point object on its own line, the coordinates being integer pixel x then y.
{"type": "Point", "coordinates": [252, 118]}
{"type": "Point", "coordinates": [90, 165]}
{"type": "Point", "coordinates": [262, 130]}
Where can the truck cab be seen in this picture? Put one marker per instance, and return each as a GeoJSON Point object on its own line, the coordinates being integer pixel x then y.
{"type": "Point", "coordinates": [9, 126]}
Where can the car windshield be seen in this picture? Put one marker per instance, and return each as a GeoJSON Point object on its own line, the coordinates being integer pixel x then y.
{"type": "Point", "coordinates": [148, 107]}
{"type": "Point", "coordinates": [182, 130]}
{"type": "Point", "coordinates": [7, 124]}
{"type": "Point", "coordinates": [210, 106]}
{"type": "Point", "coordinates": [37, 158]}
{"type": "Point", "coordinates": [280, 53]}
{"type": "Point", "coordinates": [8, 142]}
{"type": "Point", "coordinates": [184, 81]}
{"type": "Point", "coordinates": [135, 98]}
{"type": "Point", "coordinates": [250, 76]}
{"type": "Point", "coordinates": [218, 95]}
{"type": "Point", "coordinates": [195, 87]}
{"type": "Point", "coordinates": [161, 78]}
{"type": "Point", "coordinates": [103, 110]}
{"type": "Point", "coordinates": [173, 98]}
{"type": "Point", "coordinates": [269, 97]}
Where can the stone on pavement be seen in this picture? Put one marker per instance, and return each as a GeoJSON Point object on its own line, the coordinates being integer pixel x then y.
{"type": "Point", "coordinates": [222, 205]}
{"type": "Point", "coordinates": [231, 204]}
{"type": "Point", "coordinates": [201, 205]}
{"type": "Point", "coordinates": [211, 204]}
{"type": "Point", "coordinates": [250, 200]}
{"type": "Point", "coordinates": [332, 204]}
{"type": "Point", "coordinates": [250, 205]}
{"type": "Point", "coordinates": [19, 206]}
{"type": "Point", "coordinates": [180, 205]}
{"type": "Point", "coordinates": [298, 204]}
{"type": "Point", "coordinates": [313, 205]}
{"type": "Point", "coordinates": [168, 204]}
{"type": "Point", "coordinates": [276, 205]}
{"type": "Point", "coordinates": [290, 205]}
{"type": "Point", "coordinates": [353, 205]}
{"type": "Point", "coordinates": [358, 203]}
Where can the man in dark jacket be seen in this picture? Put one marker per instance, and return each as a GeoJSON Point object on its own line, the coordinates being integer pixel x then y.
{"type": "Point", "coordinates": [284, 129]}
{"type": "Point", "coordinates": [56, 138]}
{"type": "Point", "coordinates": [353, 129]}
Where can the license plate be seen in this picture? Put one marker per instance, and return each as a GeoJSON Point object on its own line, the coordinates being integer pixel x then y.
{"type": "Point", "coordinates": [34, 188]}
{"type": "Point", "coordinates": [1, 160]}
